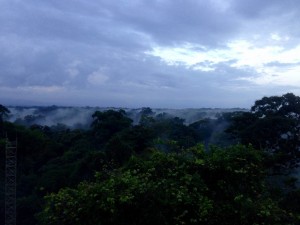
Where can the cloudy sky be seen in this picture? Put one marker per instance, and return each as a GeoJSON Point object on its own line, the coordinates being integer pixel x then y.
{"type": "Point", "coordinates": [157, 53]}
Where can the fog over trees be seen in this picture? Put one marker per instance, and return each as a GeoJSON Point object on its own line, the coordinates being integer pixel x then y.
{"type": "Point", "coordinates": [155, 166]}
{"type": "Point", "coordinates": [82, 116]}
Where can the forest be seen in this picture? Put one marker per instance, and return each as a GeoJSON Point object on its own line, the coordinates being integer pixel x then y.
{"type": "Point", "coordinates": [160, 170]}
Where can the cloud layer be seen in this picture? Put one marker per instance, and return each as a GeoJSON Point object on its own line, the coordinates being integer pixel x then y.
{"type": "Point", "coordinates": [162, 53]}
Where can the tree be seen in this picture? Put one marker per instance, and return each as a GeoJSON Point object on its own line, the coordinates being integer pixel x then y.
{"type": "Point", "coordinates": [3, 112]}
{"type": "Point", "coordinates": [134, 140]}
{"type": "Point", "coordinates": [106, 124]}
{"type": "Point", "coordinates": [273, 125]}
{"type": "Point", "coordinates": [146, 117]}
{"type": "Point", "coordinates": [222, 186]}
{"type": "Point", "coordinates": [287, 105]}
{"type": "Point", "coordinates": [173, 134]}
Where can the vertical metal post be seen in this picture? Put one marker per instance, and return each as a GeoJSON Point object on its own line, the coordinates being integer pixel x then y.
{"type": "Point", "coordinates": [10, 182]}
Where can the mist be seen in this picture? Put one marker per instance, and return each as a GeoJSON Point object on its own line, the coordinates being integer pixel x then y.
{"type": "Point", "coordinates": [81, 117]}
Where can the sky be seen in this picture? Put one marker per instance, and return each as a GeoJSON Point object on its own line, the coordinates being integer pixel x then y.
{"type": "Point", "coordinates": [156, 53]}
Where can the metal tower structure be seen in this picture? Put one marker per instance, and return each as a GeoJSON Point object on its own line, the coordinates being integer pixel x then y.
{"type": "Point", "coordinates": [10, 182]}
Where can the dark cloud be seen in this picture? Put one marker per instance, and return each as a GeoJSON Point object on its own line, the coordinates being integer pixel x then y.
{"type": "Point", "coordinates": [183, 21]}
{"type": "Point", "coordinates": [94, 52]}
{"type": "Point", "coordinates": [270, 16]}
{"type": "Point", "coordinates": [257, 9]}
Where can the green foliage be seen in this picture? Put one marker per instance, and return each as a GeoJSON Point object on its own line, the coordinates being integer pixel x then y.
{"type": "Point", "coordinates": [204, 129]}
{"type": "Point", "coordinates": [223, 186]}
{"type": "Point", "coordinates": [106, 124]}
{"type": "Point", "coordinates": [160, 190]}
{"type": "Point", "coordinates": [3, 112]}
{"type": "Point", "coordinates": [130, 141]}
{"type": "Point", "coordinates": [155, 172]}
{"type": "Point", "coordinates": [273, 125]}
{"type": "Point", "coordinates": [146, 117]}
{"type": "Point", "coordinates": [173, 130]}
